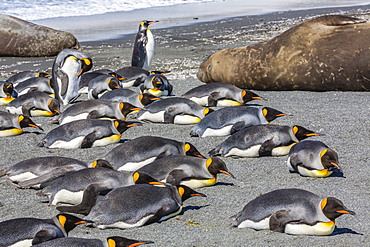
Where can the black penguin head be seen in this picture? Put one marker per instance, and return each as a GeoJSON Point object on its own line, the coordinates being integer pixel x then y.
{"type": "Point", "coordinates": [302, 133]}
{"type": "Point", "coordinates": [145, 24]}
{"type": "Point", "coordinates": [329, 159]}
{"type": "Point", "coordinates": [249, 95]}
{"type": "Point", "coordinates": [43, 74]}
{"type": "Point", "coordinates": [116, 241]}
{"type": "Point", "coordinates": [127, 108]}
{"type": "Point", "coordinates": [101, 163]}
{"type": "Point", "coordinates": [185, 192]}
{"type": "Point", "coordinates": [333, 208]}
{"type": "Point", "coordinates": [113, 83]}
{"type": "Point", "coordinates": [8, 89]}
{"type": "Point", "coordinates": [86, 65]}
{"type": "Point", "coordinates": [216, 165]}
{"type": "Point", "coordinates": [191, 150]}
{"type": "Point", "coordinates": [116, 75]}
{"type": "Point", "coordinates": [159, 81]}
{"type": "Point", "coordinates": [147, 98]}
{"type": "Point", "coordinates": [144, 178]}
{"type": "Point", "coordinates": [271, 113]}
{"type": "Point", "coordinates": [122, 126]}
{"type": "Point", "coordinates": [69, 222]}
{"type": "Point", "coordinates": [54, 106]}
{"type": "Point", "coordinates": [25, 121]}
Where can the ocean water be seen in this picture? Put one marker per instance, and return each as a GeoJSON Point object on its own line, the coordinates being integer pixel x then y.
{"type": "Point", "coordinates": [106, 19]}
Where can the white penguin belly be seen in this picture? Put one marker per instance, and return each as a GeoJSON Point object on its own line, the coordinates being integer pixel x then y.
{"type": "Point", "coordinates": [66, 196]}
{"type": "Point", "coordinates": [261, 225]}
{"type": "Point", "coordinates": [41, 113]}
{"type": "Point", "coordinates": [199, 183]}
{"type": "Point", "coordinates": [15, 110]}
{"type": "Point", "coordinates": [68, 119]}
{"type": "Point", "coordinates": [123, 225]}
{"type": "Point", "coordinates": [224, 131]}
{"type": "Point", "coordinates": [201, 101]}
{"type": "Point", "coordinates": [283, 150]}
{"type": "Point", "coordinates": [314, 173]}
{"type": "Point", "coordinates": [133, 166]}
{"type": "Point", "coordinates": [128, 83]}
{"type": "Point", "coordinates": [10, 132]}
{"type": "Point", "coordinates": [22, 177]}
{"type": "Point", "coordinates": [321, 228]}
{"type": "Point", "coordinates": [228, 102]}
{"type": "Point", "coordinates": [171, 215]}
{"type": "Point", "coordinates": [250, 152]}
{"type": "Point", "coordinates": [5, 101]}
{"type": "Point", "coordinates": [83, 90]}
{"type": "Point", "coordinates": [157, 117]}
{"type": "Point", "coordinates": [72, 144]}
{"type": "Point", "coordinates": [23, 243]}
{"type": "Point", "coordinates": [186, 119]}
{"type": "Point", "coordinates": [107, 140]}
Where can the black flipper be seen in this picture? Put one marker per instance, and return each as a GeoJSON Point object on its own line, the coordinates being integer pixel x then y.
{"type": "Point", "coordinates": [213, 98]}
{"type": "Point", "coordinates": [266, 148]}
{"type": "Point", "coordinates": [279, 220]}
{"type": "Point", "coordinates": [89, 139]}
{"type": "Point", "coordinates": [236, 127]}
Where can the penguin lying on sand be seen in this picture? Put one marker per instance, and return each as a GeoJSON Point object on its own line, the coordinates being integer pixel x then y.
{"type": "Point", "coordinates": [293, 211]}
{"type": "Point", "coordinates": [24, 75]}
{"type": "Point", "coordinates": [85, 133]}
{"type": "Point", "coordinates": [139, 204]}
{"type": "Point", "coordinates": [30, 231]}
{"type": "Point", "coordinates": [34, 104]}
{"type": "Point", "coordinates": [126, 95]}
{"type": "Point", "coordinates": [229, 120]}
{"type": "Point", "coordinates": [157, 85]}
{"type": "Point", "coordinates": [41, 84]}
{"type": "Point", "coordinates": [193, 172]}
{"type": "Point", "coordinates": [220, 94]}
{"type": "Point", "coordinates": [262, 140]}
{"type": "Point", "coordinates": [7, 93]}
{"type": "Point", "coordinates": [13, 124]}
{"type": "Point", "coordinates": [114, 241]}
{"type": "Point", "coordinates": [34, 171]}
{"type": "Point", "coordinates": [312, 159]}
{"type": "Point", "coordinates": [135, 153]}
{"type": "Point", "coordinates": [174, 110]}
{"type": "Point", "coordinates": [102, 84]}
{"type": "Point", "coordinates": [95, 109]}
{"type": "Point", "coordinates": [85, 78]}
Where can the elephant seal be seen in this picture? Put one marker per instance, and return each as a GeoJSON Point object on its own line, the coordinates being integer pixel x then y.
{"type": "Point", "coordinates": [323, 54]}
{"type": "Point", "coordinates": [24, 39]}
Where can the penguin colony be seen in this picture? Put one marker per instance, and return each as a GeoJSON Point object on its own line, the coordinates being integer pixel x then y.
{"type": "Point", "coordinates": [167, 170]}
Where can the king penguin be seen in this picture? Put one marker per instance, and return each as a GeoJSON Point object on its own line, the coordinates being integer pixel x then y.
{"type": "Point", "coordinates": [143, 51]}
{"type": "Point", "coordinates": [13, 124]}
{"type": "Point", "coordinates": [293, 211]}
{"type": "Point", "coordinates": [114, 241]}
{"type": "Point", "coordinates": [29, 231]}
{"type": "Point", "coordinates": [312, 159]}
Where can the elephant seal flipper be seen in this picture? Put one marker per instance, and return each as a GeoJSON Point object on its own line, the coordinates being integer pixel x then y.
{"type": "Point", "coordinates": [25, 39]}
{"type": "Point", "coordinates": [309, 56]}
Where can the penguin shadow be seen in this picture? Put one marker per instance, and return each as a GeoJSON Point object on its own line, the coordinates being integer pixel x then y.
{"type": "Point", "coordinates": [338, 174]}
{"type": "Point", "coordinates": [186, 208]}
{"type": "Point", "coordinates": [33, 132]}
{"type": "Point", "coordinates": [224, 184]}
{"type": "Point", "coordinates": [338, 231]}
{"type": "Point", "coordinates": [123, 140]}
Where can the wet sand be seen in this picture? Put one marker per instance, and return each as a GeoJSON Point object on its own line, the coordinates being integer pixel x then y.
{"type": "Point", "coordinates": [341, 116]}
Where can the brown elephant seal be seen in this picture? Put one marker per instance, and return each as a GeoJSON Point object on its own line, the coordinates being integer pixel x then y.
{"type": "Point", "coordinates": [323, 54]}
{"type": "Point", "coordinates": [24, 39]}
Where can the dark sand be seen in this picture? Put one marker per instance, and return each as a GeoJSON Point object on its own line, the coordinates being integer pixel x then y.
{"type": "Point", "coordinates": [341, 116]}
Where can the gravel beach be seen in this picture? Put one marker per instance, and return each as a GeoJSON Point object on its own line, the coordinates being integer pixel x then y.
{"type": "Point", "coordinates": [341, 116]}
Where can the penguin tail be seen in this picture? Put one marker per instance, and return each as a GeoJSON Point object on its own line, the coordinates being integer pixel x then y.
{"type": "Point", "coordinates": [214, 152]}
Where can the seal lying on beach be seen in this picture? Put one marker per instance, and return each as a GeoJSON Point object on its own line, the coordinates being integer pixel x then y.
{"type": "Point", "coordinates": [327, 53]}
{"type": "Point", "coordinates": [24, 39]}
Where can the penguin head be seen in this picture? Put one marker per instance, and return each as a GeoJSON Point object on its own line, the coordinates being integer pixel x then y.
{"type": "Point", "coordinates": [54, 106]}
{"type": "Point", "coordinates": [113, 83]}
{"type": "Point", "coordinates": [333, 208]}
{"type": "Point", "coordinates": [122, 126]}
{"type": "Point", "coordinates": [144, 178]}
{"type": "Point", "coordinates": [145, 24]}
{"type": "Point", "coordinates": [207, 111]}
{"type": "Point", "coordinates": [158, 81]}
{"type": "Point", "coordinates": [271, 114]}
{"type": "Point", "coordinates": [43, 74]}
{"type": "Point", "coordinates": [25, 121]}
{"type": "Point", "coordinates": [302, 133]}
{"type": "Point", "coordinates": [101, 163]}
{"type": "Point", "coordinates": [8, 89]}
{"type": "Point", "coordinates": [86, 65]}
{"type": "Point", "coordinates": [116, 241]}
{"type": "Point", "coordinates": [69, 222]}
{"type": "Point", "coordinates": [116, 75]}
{"type": "Point", "coordinates": [127, 108]}
{"type": "Point", "coordinates": [147, 98]}
{"type": "Point", "coordinates": [185, 192]}
{"type": "Point", "coordinates": [191, 150]}
{"type": "Point", "coordinates": [329, 159]}
{"type": "Point", "coordinates": [216, 165]}
{"type": "Point", "coordinates": [249, 95]}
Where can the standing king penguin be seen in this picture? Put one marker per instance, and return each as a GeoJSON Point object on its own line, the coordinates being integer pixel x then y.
{"type": "Point", "coordinates": [67, 69]}
{"type": "Point", "coordinates": [143, 52]}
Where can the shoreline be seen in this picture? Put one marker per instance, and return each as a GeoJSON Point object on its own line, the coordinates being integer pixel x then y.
{"type": "Point", "coordinates": [341, 116]}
